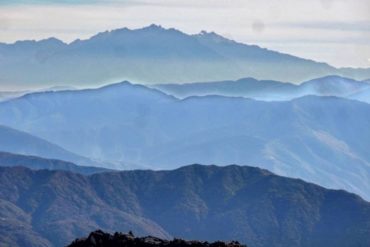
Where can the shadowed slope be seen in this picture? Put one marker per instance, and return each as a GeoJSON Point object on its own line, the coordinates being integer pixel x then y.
{"type": "Point", "coordinates": [15, 141]}
{"type": "Point", "coordinates": [194, 202]}
{"type": "Point", "coordinates": [320, 139]}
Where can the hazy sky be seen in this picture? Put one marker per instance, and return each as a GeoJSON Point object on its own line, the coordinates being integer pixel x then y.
{"type": "Point", "coordinates": [333, 31]}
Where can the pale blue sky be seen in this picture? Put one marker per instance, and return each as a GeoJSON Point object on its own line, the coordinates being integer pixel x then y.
{"type": "Point", "coordinates": [333, 31]}
{"type": "Point", "coordinates": [18, 2]}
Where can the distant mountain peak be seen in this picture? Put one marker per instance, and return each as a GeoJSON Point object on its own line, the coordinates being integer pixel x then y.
{"type": "Point", "coordinates": [52, 40]}
{"type": "Point", "coordinates": [205, 33]}
{"type": "Point", "coordinates": [213, 36]}
{"type": "Point", "coordinates": [335, 81]}
{"type": "Point", "coordinates": [151, 27]}
{"type": "Point", "coordinates": [133, 36]}
{"type": "Point", "coordinates": [154, 54]}
{"type": "Point", "coordinates": [333, 77]}
{"type": "Point", "coordinates": [124, 83]}
{"type": "Point", "coordinates": [154, 27]}
{"type": "Point", "coordinates": [43, 42]}
{"type": "Point", "coordinates": [127, 86]}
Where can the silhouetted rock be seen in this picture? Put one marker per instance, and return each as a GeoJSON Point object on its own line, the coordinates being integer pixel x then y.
{"type": "Point", "coordinates": [102, 239]}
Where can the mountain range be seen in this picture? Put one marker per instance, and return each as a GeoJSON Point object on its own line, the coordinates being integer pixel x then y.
{"type": "Point", "coordinates": [273, 90]}
{"type": "Point", "coordinates": [5, 95]}
{"type": "Point", "coordinates": [254, 206]}
{"type": "Point", "coordinates": [320, 139]}
{"type": "Point", "coordinates": [152, 55]}
{"type": "Point", "coordinates": [20, 142]}
{"type": "Point", "coordinates": [278, 145]}
{"type": "Point", "coordinates": [37, 163]}
{"type": "Point", "coordinates": [363, 95]}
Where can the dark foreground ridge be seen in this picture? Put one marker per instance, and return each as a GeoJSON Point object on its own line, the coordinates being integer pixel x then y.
{"type": "Point", "coordinates": [102, 239]}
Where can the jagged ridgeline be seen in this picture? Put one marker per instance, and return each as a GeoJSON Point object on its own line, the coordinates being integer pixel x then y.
{"type": "Point", "coordinates": [137, 126]}
{"type": "Point", "coordinates": [101, 239]}
{"type": "Point", "coordinates": [40, 208]}
{"type": "Point", "coordinates": [153, 54]}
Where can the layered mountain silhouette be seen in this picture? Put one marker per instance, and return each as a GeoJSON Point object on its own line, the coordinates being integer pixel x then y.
{"type": "Point", "coordinates": [152, 55]}
{"type": "Point", "coordinates": [273, 90]}
{"type": "Point", "coordinates": [37, 163]}
{"type": "Point", "coordinates": [20, 142]}
{"type": "Point", "coordinates": [363, 95]}
{"type": "Point", "coordinates": [5, 95]}
{"type": "Point", "coordinates": [320, 139]}
{"type": "Point", "coordinates": [253, 206]}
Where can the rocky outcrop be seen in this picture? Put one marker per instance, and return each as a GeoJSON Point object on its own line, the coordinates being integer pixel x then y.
{"type": "Point", "coordinates": [102, 239]}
